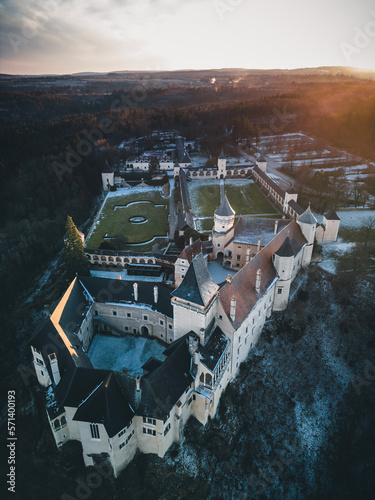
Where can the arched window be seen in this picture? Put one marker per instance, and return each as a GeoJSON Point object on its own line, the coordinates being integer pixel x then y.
{"type": "Point", "coordinates": [63, 421]}
{"type": "Point", "coordinates": [57, 423]}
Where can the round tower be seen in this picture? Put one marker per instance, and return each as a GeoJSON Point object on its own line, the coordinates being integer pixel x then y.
{"type": "Point", "coordinates": [224, 217]}
{"type": "Point", "coordinates": [307, 222]}
{"type": "Point", "coordinates": [283, 261]}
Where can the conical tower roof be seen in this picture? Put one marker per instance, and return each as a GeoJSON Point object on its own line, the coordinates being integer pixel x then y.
{"type": "Point", "coordinates": [332, 215]}
{"type": "Point", "coordinates": [225, 210]}
{"type": "Point", "coordinates": [222, 155]}
{"type": "Point", "coordinates": [197, 285]}
{"type": "Point", "coordinates": [307, 217]}
{"type": "Point", "coordinates": [285, 249]}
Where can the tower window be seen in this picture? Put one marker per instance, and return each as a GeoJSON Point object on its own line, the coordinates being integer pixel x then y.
{"type": "Point", "coordinates": [94, 430]}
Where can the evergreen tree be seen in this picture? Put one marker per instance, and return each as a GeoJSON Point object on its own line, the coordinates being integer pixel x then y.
{"type": "Point", "coordinates": [74, 255]}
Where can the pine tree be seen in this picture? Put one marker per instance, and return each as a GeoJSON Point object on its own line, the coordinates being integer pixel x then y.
{"type": "Point", "coordinates": [74, 255]}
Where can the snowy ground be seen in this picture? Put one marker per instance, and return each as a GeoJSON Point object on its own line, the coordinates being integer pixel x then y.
{"type": "Point", "coordinates": [112, 353]}
{"type": "Point", "coordinates": [354, 218]}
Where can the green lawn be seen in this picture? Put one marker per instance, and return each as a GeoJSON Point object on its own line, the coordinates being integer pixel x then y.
{"type": "Point", "coordinates": [115, 228]}
{"type": "Point", "coordinates": [243, 195]}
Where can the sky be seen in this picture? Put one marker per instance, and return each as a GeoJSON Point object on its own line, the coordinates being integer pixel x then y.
{"type": "Point", "coordinates": [70, 36]}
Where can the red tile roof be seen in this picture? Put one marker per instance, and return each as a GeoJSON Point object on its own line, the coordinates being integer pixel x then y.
{"type": "Point", "coordinates": [242, 285]}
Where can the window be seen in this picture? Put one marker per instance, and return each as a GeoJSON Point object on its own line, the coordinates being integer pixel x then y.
{"type": "Point", "coordinates": [166, 430]}
{"type": "Point", "coordinates": [237, 265]}
{"type": "Point", "coordinates": [126, 328]}
{"type": "Point", "coordinates": [96, 312]}
{"type": "Point", "coordinates": [145, 317]}
{"type": "Point", "coordinates": [94, 430]}
{"type": "Point", "coordinates": [161, 322]}
{"type": "Point", "coordinates": [239, 339]}
{"type": "Point", "coordinates": [218, 245]}
{"type": "Point", "coordinates": [279, 291]}
{"type": "Point", "coordinates": [41, 372]}
{"type": "Point", "coordinates": [150, 432]}
{"type": "Point", "coordinates": [265, 305]}
{"type": "Point", "coordinates": [253, 320]}
{"type": "Point", "coordinates": [128, 315]}
{"type": "Point", "coordinates": [182, 276]}
{"type": "Point", "coordinates": [170, 327]}
{"type": "Point", "coordinates": [148, 420]}
{"type": "Point", "coordinates": [220, 316]}
{"type": "Point", "coordinates": [134, 330]}
{"type": "Point", "coordinates": [39, 361]}
{"type": "Point", "coordinates": [190, 401]}
{"type": "Point", "coordinates": [247, 329]}
{"type": "Point", "coordinates": [238, 257]}
{"type": "Point", "coordinates": [114, 313]}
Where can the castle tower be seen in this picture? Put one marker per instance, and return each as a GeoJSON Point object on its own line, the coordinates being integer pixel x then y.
{"type": "Point", "coordinates": [195, 301]}
{"type": "Point", "coordinates": [262, 163]}
{"type": "Point", "coordinates": [221, 166]}
{"type": "Point", "coordinates": [176, 169]}
{"type": "Point", "coordinates": [331, 222]}
{"type": "Point", "coordinates": [283, 260]}
{"type": "Point", "coordinates": [307, 223]}
{"type": "Point", "coordinates": [107, 177]}
{"type": "Point", "coordinates": [223, 227]}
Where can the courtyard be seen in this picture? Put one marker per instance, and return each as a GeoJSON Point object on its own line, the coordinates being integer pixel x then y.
{"type": "Point", "coordinates": [243, 195]}
{"type": "Point", "coordinates": [116, 353]}
{"type": "Point", "coordinates": [131, 219]}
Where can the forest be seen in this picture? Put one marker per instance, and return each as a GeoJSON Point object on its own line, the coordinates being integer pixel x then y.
{"type": "Point", "coordinates": [80, 128]}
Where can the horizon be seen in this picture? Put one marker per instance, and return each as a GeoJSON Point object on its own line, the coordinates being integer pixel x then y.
{"type": "Point", "coordinates": [63, 37]}
{"type": "Point", "coordinates": [305, 68]}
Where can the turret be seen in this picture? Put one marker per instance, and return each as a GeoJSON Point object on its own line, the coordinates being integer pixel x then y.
{"type": "Point", "coordinates": [307, 223]}
{"type": "Point", "coordinates": [283, 261]}
{"type": "Point", "coordinates": [331, 223]}
{"type": "Point", "coordinates": [221, 166]}
{"type": "Point", "coordinates": [224, 217]}
{"type": "Point", "coordinates": [262, 163]}
{"type": "Point", "coordinates": [108, 177]}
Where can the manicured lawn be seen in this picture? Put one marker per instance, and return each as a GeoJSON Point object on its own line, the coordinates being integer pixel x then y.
{"type": "Point", "coordinates": [243, 195]}
{"type": "Point", "coordinates": [115, 227]}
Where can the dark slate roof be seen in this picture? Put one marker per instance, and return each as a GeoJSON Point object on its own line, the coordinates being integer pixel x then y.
{"type": "Point", "coordinates": [151, 364]}
{"type": "Point", "coordinates": [222, 155]}
{"type": "Point", "coordinates": [121, 292]}
{"type": "Point", "coordinates": [285, 249]}
{"type": "Point", "coordinates": [225, 210]}
{"type": "Point", "coordinates": [186, 158]}
{"type": "Point", "coordinates": [161, 388]}
{"type": "Point", "coordinates": [75, 309]}
{"type": "Point", "coordinates": [332, 215]}
{"type": "Point", "coordinates": [106, 405]}
{"type": "Point", "coordinates": [242, 286]}
{"type": "Point", "coordinates": [184, 191]}
{"type": "Point", "coordinates": [197, 285]}
{"type": "Point", "coordinates": [307, 217]}
{"type": "Point", "coordinates": [185, 220]}
{"type": "Point", "coordinates": [270, 181]}
{"type": "Point", "coordinates": [261, 158]}
{"type": "Point", "coordinates": [107, 169]}
{"type": "Point", "coordinates": [214, 349]}
{"type": "Point", "coordinates": [247, 230]}
{"type": "Point", "coordinates": [78, 384]}
{"type": "Point", "coordinates": [297, 208]}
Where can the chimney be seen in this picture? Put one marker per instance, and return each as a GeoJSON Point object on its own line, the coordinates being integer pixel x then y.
{"type": "Point", "coordinates": [191, 240]}
{"type": "Point", "coordinates": [275, 227]}
{"type": "Point", "coordinates": [193, 345]}
{"type": "Point", "coordinates": [257, 284]}
{"type": "Point", "coordinates": [248, 250]}
{"type": "Point", "coordinates": [259, 242]}
{"type": "Point", "coordinates": [229, 278]}
{"type": "Point", "coordinates": [54, 368]}
{"type": "Point", "coordinates": [138, 383]}
{"type": "Point", "coordinates": [156, 294]}
{"type": "Point", "coordinates": [233, 308]}
{"type": "Point", "coordinates": [135, 288]}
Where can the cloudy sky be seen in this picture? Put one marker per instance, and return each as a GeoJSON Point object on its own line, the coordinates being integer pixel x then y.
{"type": "Point", "coordinates": [67, 36]}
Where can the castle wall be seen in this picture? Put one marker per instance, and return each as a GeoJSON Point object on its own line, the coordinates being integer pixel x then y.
{"type": "Point", "coordinates": [130, 318]}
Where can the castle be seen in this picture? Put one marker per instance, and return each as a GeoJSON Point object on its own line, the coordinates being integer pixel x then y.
{"type": "Point", "coordinates": [207, 330]}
